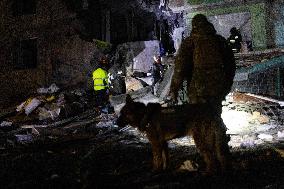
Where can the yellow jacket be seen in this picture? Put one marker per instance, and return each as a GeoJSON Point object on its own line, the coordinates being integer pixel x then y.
{"type": "Point", "coordinates": [100, 78]}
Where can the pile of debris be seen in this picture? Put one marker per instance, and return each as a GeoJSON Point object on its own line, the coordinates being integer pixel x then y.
{"type": "Point", "coordinates": [48, 108]}
{"type": "Point", "coordinates": [86, 149]}
{"type": "Point", "coordinates": [255, 57]}
{"type": "Point", "coordinates": [252, 121]}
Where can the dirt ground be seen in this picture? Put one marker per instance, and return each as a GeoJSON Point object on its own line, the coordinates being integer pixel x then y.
{"type": "Point", "coordinates": [96, 156]}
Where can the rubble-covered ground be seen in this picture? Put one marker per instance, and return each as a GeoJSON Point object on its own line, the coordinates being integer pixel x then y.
{"type": "Point", "coordinates": [85, 149]}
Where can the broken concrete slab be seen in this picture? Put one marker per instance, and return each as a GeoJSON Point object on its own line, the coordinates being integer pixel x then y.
{"type": "Point", "coordinates": [138, 56]}
{"type": "Point", "coordinates": [24, 138]}
{"type": "Point", "coordinates": [265, 137]}
{"type": "Point", "coordinates": [164, 87]}
{"type": "Point", "coordinates": [51, 89]}
{"type": "Point", "coordinates": [44, 113]}
{"type": "Point", "coordinates": [133, 84]}
{"type": "Point", "coordinates": [64, 122]}
{"type": "Point", "coordinates": [188, 165]}
{"type": "Point", "coordinates": [148, 80]}
{"type": "Point", "coordinates": [6, 124]}
{"type": "Point", "coordinates": [147, 98]}
{"type": "Point", "coordinates": [280, 135]}
{"type": "Point", "coordinates": [119, 99]}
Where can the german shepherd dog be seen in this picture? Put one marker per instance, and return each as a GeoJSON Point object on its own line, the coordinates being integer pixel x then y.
{"type": "Point", "coordinates": [163, 124]}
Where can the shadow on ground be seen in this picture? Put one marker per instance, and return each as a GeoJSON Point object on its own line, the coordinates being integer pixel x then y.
{"type": "Point", "coordinates": [108, 158]}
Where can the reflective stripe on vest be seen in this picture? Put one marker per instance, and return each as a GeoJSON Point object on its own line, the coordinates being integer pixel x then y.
{"type": "Point", "coordinates": [100, 79]}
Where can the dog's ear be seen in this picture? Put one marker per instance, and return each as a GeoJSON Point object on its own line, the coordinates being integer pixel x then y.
{"type": "Point", "coordinates": [128, 99]}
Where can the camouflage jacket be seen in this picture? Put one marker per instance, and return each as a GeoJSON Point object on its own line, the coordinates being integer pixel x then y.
{"type": "Point", "coordinates": [207, 63]}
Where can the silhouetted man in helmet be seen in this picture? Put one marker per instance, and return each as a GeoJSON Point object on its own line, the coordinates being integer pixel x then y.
{"type": "Point", "coordinates": [207, 63]}
{"type": "Point", "coordinates": [235, 40]}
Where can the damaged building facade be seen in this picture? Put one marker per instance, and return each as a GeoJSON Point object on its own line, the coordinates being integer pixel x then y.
{"type": "Point", "coordinates": [59, 41]}
{"type": "Point", "coordinates": [40, 45]}
{"type": "Point", "coordinates": [53, 135]}
{"type": "Point", "coordinates": [260, 23]}
{"type": "Point", "coordinates": [44, 42]}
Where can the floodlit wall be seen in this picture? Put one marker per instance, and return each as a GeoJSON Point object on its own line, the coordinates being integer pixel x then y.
{"type": "Point", "coordinates": [279, 25]}
{"type": "Point", "coordinates": [257, 14]}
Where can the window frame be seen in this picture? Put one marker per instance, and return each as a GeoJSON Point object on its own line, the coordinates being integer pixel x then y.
{"type": "Point", "coordinates": [25, 54]}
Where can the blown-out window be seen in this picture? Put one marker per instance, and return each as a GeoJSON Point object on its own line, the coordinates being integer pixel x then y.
{"type": "Point", "coordinates": [25, 54]}
{"type": "Point", "coordinates": [24, 7]}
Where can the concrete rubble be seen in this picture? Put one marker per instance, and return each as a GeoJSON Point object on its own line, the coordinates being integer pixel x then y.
{"type": "Point", "coordinates": [59, 117]}
{"type": "Point", "coordinates": [249, 122]}
{"type": "Point", "coordinates": [48, 108]}
{"type": "Point", "coordinates": [83, 134]}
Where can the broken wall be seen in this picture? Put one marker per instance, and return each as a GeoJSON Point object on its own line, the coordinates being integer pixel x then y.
{"type": "Point", "coordinates": [257, 12]}
{"type": "Point", "coordinates": [138, 56]}
{"type": "Point", "coordinates": [135, 57]}
{"type": "Point", "coordinates": [61, 56]}
{"type": "Point", "coordinates": [121, 21]}
{"type": "Point", "coordinates": [71, 63]}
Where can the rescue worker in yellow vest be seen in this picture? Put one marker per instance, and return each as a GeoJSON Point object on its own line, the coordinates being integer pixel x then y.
{"type": "Point", "coordinates": [100, 78]}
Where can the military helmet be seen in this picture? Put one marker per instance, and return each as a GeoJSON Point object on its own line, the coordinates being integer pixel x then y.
{"type": "Point", "coordinates": [198, 20]}
{"type": "Point", "coordinates": [103, 60]}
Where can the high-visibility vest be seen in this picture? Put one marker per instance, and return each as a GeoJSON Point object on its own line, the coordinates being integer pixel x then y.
{"type": "Point", "coordinates": [100, 79]}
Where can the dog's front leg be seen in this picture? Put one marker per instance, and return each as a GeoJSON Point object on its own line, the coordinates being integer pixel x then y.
{"type": "Point", "coordinates": [160, 155]}
{"type": "Point", "coordinates": [157, 149]}
{"type": "Point", "coordinates": [157, 156]}
{"type": "Point", "coordinates": [165, 154]}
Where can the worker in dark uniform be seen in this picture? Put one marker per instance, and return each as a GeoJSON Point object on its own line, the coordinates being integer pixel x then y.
{"type": "Point", "coordinates": [235, 40]}
{"type": "Point", "coordinates": [157, 73]}
{"type": "Point", "coordinates": [207, 63]}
